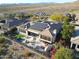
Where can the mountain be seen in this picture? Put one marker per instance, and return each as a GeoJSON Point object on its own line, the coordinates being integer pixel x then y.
{"type": "Point", "coordinates": [13, 5]}
{"type": "Point", "coordinates": [40, 7]}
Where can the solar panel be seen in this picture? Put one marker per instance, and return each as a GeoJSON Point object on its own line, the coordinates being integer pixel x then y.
{"type": "Point", "coordinates": [16, 22]}
{"type": "Point", "coordinates": [39, 26]}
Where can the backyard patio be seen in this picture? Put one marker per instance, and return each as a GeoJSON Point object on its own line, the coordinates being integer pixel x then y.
{"type": "Point", "coordinates": [35, 43]}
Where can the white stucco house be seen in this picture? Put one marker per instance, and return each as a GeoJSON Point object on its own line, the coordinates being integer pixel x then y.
{"type": "Point", "coordinates": [40, 35]}
{"type": "Point", "coordinates": [75, 39]}
{"type": "Point", "coordinates": [44, 31]}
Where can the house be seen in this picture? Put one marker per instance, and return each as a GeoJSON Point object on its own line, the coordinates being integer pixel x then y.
{"type": "Point", "coordinates": [9, 24]}
{"type": "Point", "coordinates": [43, 31]}
{"type": "Point", "coordinates": [75, 39]}
{"type": "Point", "coordinates": [40, 14]}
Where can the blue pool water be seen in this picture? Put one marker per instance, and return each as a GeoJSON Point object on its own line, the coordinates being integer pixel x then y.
{"type": "Point", "coordinates": [19, 40]}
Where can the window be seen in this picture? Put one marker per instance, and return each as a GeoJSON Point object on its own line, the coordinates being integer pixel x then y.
{"type": "Point", "coordinates": [32, 34]}
{"type": "Point", "coordinates": [78, 46]}
{"type": "Point", "coordinates": [73, 46]}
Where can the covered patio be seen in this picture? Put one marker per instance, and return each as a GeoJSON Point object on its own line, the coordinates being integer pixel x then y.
{"type": "Point", "coordinates": [46, 36]}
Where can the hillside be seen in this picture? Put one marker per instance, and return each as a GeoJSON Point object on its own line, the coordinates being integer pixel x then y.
{"type": "Point", "coordinates": [40, 7]}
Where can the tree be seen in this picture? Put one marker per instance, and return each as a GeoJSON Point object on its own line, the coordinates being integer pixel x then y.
{"type": "Point", "coordinates": [34, 18]}
{"type": "Point", "coordinates": [67, 31]}
{"type": "Point", "coordinates": [21, 16]}
{"type": "Point", "coordinates": [1, 51]}
{"type": "Point", "coordinates": [2, 39]}
{"type": "Point", "coordinates": [57, 17]}
{"type": "Point", "coordinates": [73, 17]}
{"type": "Point", "coordinates": [1, 17]}
{"type": "Point", "coordinates": [29, 15]}
{"type": "Point", "coordinates": [9, 16]}
{"type": "Point", "coordinates": [69, 16]}
{"type": "Point", "coordinates": [63, 53]}
{"type": "Point", "coordinates": [19, 36]}
{"type": "Point", "coordinates": [2, 45]}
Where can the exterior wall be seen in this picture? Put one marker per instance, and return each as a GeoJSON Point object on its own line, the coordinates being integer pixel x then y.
{"type": "Point", "coordinates": [3, 28]}
{"type": "Point", "coordinates": [46, 40]}
{"type": "Point", "coordinates": [34, 31]}
{"type": "Point", "coordinates": [76, 47]}
{"type": "Point", "coordinates": [49, 41]}
{"type": "Point", "coordinates": [25, 34]}
{"type": "Point", "coordinates": [20, 32]}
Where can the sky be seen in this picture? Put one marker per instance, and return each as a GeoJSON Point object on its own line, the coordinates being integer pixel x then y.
{"type": "Point", "coordinates": [34, 1]}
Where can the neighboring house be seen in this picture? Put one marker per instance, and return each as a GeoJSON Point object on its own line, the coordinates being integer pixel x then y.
{"type": "Point", "coordinates": [75, 23]}
{"type": "Point", "coordinates": [75, 39]}
{"type": "Point", "coordinates": [44, 31]}
{"type": "Point", "coordinates": [10, 24]}
{"type": "Point", "coordinates": [40, 14]}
